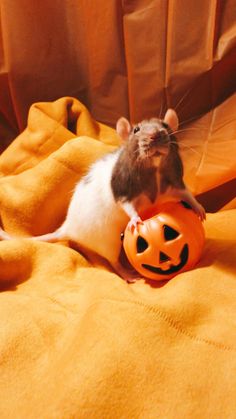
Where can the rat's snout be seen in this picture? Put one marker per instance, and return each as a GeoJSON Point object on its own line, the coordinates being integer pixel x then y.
{"type": "Point", "coordinates": [153, 140]}
{"type": "Point", "coordinates": [159, 134]}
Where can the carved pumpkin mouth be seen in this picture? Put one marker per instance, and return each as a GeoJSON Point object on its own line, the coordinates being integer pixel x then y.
{"type": "Point", "coordinates": [174, 268]}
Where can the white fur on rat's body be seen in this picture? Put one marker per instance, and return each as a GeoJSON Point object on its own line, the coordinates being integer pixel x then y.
{"type": "Point", "coordinates": [94, 219]}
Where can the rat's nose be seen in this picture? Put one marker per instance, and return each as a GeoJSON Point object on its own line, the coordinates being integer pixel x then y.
{"type": "Point", "coordinates": [155, 135]}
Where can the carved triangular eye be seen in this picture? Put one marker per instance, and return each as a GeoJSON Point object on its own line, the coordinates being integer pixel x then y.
{"type": "Point", "coordinates": [142, 244]}
{"type": "Point", "coordinates": [163, 257]}
{"type": "Point", "coordinates": [170, 233]}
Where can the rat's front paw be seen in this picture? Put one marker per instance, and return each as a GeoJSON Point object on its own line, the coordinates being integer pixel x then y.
{"type": "Point", "coordinates": [132, 224]}
{"type": "Point", "coordinates": [200, 211]}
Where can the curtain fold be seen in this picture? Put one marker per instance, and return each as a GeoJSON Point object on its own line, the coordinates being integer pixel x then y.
{"type": "Point", "coordinates": [129, 57]}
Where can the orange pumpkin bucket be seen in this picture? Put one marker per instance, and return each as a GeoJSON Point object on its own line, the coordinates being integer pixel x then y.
{"type": "Point", "coordinates": [168, 243]}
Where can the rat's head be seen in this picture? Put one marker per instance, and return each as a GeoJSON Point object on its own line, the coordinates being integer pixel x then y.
{"type": "Point", "coordinates": [150, 137]}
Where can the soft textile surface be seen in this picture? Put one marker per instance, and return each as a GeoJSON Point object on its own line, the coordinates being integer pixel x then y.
{"type": "Point", "coordinates": [76, 341]}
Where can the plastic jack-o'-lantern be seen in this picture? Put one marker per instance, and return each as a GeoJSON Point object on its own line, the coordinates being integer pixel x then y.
{"type": "Point", "coordinates": [167, 243]}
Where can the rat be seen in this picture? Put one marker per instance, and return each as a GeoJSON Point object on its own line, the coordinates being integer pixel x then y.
{"type": "Point", "coordinates": [145, 170]}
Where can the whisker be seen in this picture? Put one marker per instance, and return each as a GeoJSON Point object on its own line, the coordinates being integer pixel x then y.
{"type": "Point", "coordinates": [223, 125]}
{"type": "Point", "coordinates": [136, 151]}
{"type": "Point", "coordinates": [187, 129]}
{"type": "Point", "coordinates": [191, 149]}
{"type": "Point", "coordinates": [224, 141]}
{"type": "Point", "coordinates": [186, 146]}
{"type": "Point", "coordinates": [183, 97]}
{"type": "Point", "coordinates": [192, 119]}
{"type": "Point", "coordinates": [161, 108]}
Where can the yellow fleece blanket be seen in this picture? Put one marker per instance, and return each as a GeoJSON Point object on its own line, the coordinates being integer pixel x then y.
{"type": "Point", "coordinates": [77, 341]}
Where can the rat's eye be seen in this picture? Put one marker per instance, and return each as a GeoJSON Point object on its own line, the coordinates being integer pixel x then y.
{"type": "Point", "coordinates": [136, 129]}
{"type": "Point", "coordinates": [165, 125]}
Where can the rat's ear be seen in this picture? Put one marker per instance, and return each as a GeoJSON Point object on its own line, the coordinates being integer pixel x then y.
{"type": "Point", "coordinates": [123, 128]}
{"type": "Point", "coordinates": [172, 119]}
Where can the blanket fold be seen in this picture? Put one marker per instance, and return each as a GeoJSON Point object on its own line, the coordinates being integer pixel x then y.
{"type": "Point", "coordinates": [78, 341]}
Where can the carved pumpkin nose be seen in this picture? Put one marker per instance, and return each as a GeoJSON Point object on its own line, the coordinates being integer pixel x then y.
{"type": "Point", "coordinates": [163, 257]}
{"type": "Point", "coordinates": [166, 261]}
